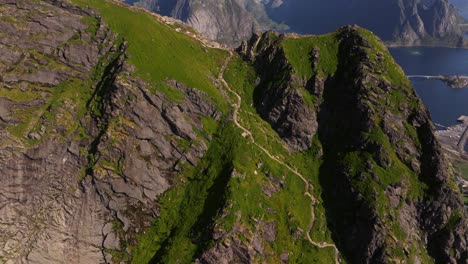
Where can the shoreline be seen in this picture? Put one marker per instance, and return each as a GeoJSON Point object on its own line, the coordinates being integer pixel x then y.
{"type": "Point", "coordinates": [453, 81]}
{"type": "Point", "coordinates": [388, 44]}
{"type": "Point", "coordinates": [455, 139]}
{"type": "Point", "coordinates": [454, 142]}
{"type": "Point", "coordinates": [394, 46]}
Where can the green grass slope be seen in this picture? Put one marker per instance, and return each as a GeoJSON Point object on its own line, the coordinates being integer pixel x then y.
{"type": "Point", "coordinates": [226, 191]}
{"type": "Point", "coordinates": [237, 187]}
{"type": "Point", "coordinates": [159, 52]}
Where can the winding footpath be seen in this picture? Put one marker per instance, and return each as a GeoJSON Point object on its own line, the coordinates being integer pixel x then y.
{"type": "Point", "coordinates": [247, 133]}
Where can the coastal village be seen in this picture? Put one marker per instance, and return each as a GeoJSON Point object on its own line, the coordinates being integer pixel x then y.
{"type": "Point", "coordinates": [455, 143]}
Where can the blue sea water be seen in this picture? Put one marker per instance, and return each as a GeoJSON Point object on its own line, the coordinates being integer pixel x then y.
{"type": "Point", "coordinates": [445, 104]}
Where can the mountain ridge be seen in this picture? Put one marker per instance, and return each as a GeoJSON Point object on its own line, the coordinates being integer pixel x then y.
{"type": "Point", "coordinates": [229, 23]}
{"type": "Point", "coordinates": [119, 146]}
{"type": "Point", "coordinates": [398, 23]}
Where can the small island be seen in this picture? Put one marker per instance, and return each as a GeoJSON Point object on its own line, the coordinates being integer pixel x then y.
{"type": "Point", "coordinates": [454, 81]}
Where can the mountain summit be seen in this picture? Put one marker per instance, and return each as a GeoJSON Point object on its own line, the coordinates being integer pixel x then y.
{"type": "Point", "coordinates": [127, 138]}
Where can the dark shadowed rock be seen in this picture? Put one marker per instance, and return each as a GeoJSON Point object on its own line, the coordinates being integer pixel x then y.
{"type": "Point", "coordinates": [70, 198]}
{"type": "Point", "coordinates": [98, 165]}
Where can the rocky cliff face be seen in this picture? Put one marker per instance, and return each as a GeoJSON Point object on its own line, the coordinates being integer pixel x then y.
{"type": "Point", "coordinates": [430, 22]}
{"type": "Point", "coordinates": [229, 22]}
{"type": "Point", "coordinates": [358, 114]}
{"type": "Point", "coordinates": [79, 174]}
{"type": "Point", "coordinates": [117, 148]}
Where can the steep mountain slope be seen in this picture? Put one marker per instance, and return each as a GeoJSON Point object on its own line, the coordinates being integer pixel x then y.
{"type": "Point", "coordinates": [376, 143]}
{"type": "Point", "coordinates": [119, 145]}
{"type": "Point", "coordinates": [228, 22]}
{"type": "Point", "coordinates": [86, 146]}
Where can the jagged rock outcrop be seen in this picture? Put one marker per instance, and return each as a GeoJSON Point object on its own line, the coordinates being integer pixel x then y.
{"type": "Point", "coordinates": [76, 197]}
{"type": "Point", "coordinates": [277, 99]}
{"type": "Point", "coordinates": [327, 154]}
{"type": "Point", "coordinates": [349, 118]}
{"type": "Point", "coordinates": [436, 20]}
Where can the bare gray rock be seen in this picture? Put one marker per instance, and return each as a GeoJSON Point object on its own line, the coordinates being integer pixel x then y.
{"type": "Point", "coordinates": [352, 114]}
{"type": "Point", "coordinates": [229, 252]}
{"type": "Point", "coordinates": [281, 102]}
{"type": "Point", "coordinates": [269, 231]}
{"type": "Point", "coordinates": [69, 198]}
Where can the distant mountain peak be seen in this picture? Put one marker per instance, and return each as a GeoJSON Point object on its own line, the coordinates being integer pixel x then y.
{"type": "Point", "coordinates": [403, 22]}
{"type": "Point", "coordinates": [125, 138]}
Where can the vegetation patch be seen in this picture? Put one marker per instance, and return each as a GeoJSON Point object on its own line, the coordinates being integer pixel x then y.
{"type": "Point", "coordinates": [188, 211]}
{"type": "Point", "coordinates": [299, 53]}
{"type": "Point", "coordinates": [152, 44]}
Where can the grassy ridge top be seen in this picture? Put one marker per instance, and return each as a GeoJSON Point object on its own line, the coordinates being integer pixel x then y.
{"type": "Point", "coordinates": [159, 52]}
{"type": "Point", "coordinates": [298, 53]}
